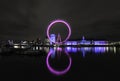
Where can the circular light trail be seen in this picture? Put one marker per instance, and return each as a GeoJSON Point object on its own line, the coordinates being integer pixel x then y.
{"type": "Point", "coordinates": [56, 72]}
{"type": "Point", "coordinates": [59, 21]}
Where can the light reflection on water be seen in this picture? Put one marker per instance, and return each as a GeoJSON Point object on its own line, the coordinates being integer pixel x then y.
{"type": "Point", "coordinates": [95, 50]}
{"type": "Point", "coordinates": [57, 51]}
{"type": "Point", "coordinates": [91, 49]}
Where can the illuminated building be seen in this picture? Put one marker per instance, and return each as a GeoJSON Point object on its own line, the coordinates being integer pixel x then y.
{"type": "Point", "coordinates": [85, 42]}
{"type": "Point", "coordinates": [53, 38]}
{"type": "Point", "coordinates": [100, 42]}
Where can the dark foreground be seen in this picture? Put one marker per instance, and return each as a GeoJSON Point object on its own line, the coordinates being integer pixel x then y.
{"type": "Point", "coordinates": [87, 64]}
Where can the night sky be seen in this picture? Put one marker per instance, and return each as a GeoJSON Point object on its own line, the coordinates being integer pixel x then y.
{"type": "Point", "coordinates": [28, 19]}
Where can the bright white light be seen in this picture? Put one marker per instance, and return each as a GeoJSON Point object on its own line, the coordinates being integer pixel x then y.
{"type": "Point", "coordinates": [23, 47]}
{"type": "Point", "coordinates": [16, 47]}
{"type": "Point", "coordinates": [107, 49]}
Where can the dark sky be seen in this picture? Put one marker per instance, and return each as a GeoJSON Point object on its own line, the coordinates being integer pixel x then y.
{"type": "Point", "coordinates": [28, 19]}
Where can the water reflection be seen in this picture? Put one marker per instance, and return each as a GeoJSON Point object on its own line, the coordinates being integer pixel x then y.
{"type": "Point", "coordinates": [95, 50]}
{"type": "Point", "coordinates": [87, 49]}
{"type": "Point", "coordinates": [84, 50]}
{"type": "Point", "coordinates": [59, 52]}
{"type": "Point", "coordinates": [99, 49]}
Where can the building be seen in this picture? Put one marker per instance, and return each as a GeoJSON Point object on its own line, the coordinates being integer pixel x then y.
{"type": "Point", "coordinates": [86, 42]}
{"type": "Point", "coordinates": [52, 38]}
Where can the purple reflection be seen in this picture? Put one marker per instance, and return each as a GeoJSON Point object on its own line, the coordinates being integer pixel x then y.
{"type": "Point", "coordinates": [84, 50]}
{"type": "Point", "coordinates": [53, 53]}
{"type": "Point", "coordinates": [87, 49]}
{"type": "Point", "coordinates": [68, 49]}
{"type": "Point", "coordinates": [99, 49]}
{"type": "Point", "coordinates": [71, 49]}
{"type": "Point", "coordinates": [59, 49]}
{"type": "Point", "coordinates": [74, 50]}
{"type": "Point", "coordinates": [56, 72]}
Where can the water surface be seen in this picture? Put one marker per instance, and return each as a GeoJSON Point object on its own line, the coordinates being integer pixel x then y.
{"type": "Point", "coordinates": [83, 64]}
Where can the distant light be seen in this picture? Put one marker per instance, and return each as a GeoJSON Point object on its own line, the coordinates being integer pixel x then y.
{"type": "Point", "coordinates": [68, 49]}
{"type": "Point", "coordinates": [59, 49]}
{"type": "Point", "coordinates": [107, 49]}
{"type": "Point", "coordinates": [114, 50]}
{"type": "Point", "coordinates": [40, 48]}
{"type": "Point", "coordinates": [22, 46]}
{"type": "Point", "coordinates": [99, 49]}
{"type": "Point", "coordinates": [74, 43]}
{"type": "Point", "coordinates": [71, 49]}
{"type": "Point", "coordinates": [74, 49]}
{"type": "Point", "coordinates": [36, 48]}
{"type": "Point", "coordinates": [16, 46]}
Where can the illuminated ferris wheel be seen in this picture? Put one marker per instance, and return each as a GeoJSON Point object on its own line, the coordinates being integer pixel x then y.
{"type": "Point", "coordinates": [55, 22]}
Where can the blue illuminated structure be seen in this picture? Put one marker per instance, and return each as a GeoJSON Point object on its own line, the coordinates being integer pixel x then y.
{"type": "Point", "coordinates": [53, 38]}
{"type": "Point", "coordinates": [74, 42]}
{"type": "Point", "coordinates": [82, 42]}
{"type": "Point", "coordinates": [85, 42]}
{"type": "Point", "coordinates": [68, 43]}
{"type": "Point", "coordinates": [100, 42]}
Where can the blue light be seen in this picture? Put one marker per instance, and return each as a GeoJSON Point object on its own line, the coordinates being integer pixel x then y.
{"type": "Point", "coordinates": [53, 38]}
{"type": "Point", "coordinates": [68, 43]}
{"type": "Point", "coordinates": [74, 43]}
{"type": "Point", "coordinates": [99, 49]}
{"type": "Point", "coordinates": [68, 49]}
{"type": "Point", "coordinates": [74, 50]}
{"type": "Point", "coordinates": [71, 49]}
{"type": "Point", "coordinates": [100, 43]}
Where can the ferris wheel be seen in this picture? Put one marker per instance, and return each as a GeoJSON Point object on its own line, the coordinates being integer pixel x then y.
{"type": "Point", "coordinates": [55, 22]}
